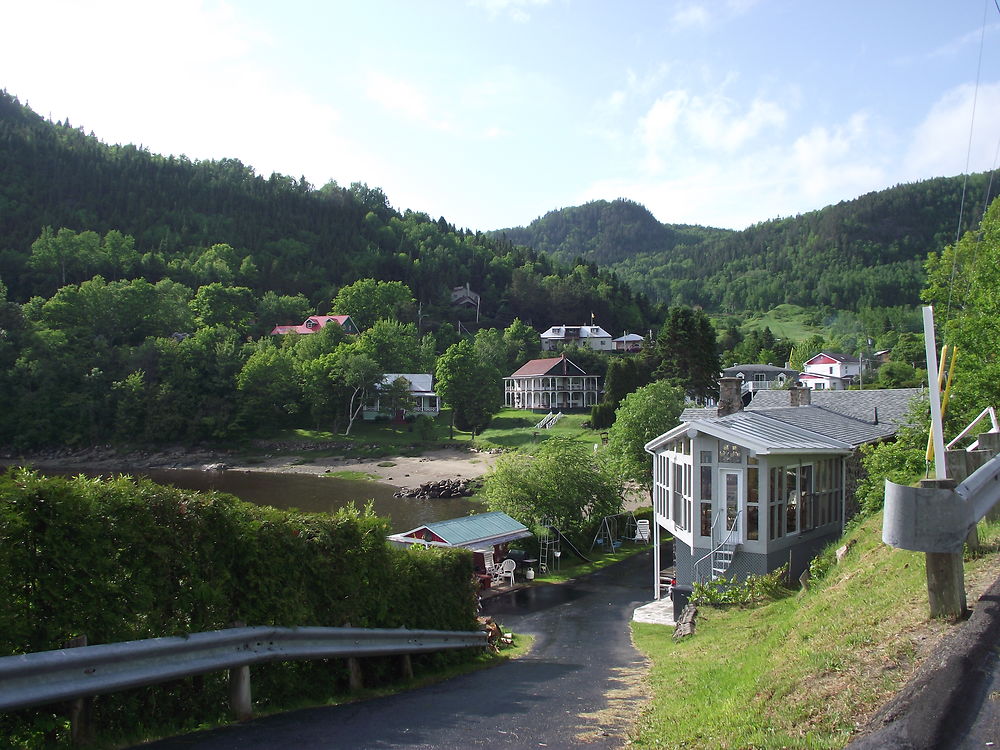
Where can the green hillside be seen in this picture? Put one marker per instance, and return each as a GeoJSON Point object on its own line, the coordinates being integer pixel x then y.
{"type": "Point", "coordinates": [863, 253]}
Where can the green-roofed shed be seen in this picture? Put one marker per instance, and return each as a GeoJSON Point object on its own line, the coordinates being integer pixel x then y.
{"type": "Point", "coordinates": [480, 531]}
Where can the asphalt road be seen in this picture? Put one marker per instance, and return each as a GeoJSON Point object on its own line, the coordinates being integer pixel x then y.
{"type": "Point", "coordinates": [580, 685]}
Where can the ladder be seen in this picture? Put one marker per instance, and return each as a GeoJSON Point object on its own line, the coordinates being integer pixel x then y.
{"type": "Point", "coordinates": [548, 545]}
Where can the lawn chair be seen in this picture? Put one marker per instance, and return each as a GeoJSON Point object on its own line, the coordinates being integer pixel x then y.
{"type": "Point", "coordinates": [641, 531]}
{"type": "Point", "coordinates": [504, 570]}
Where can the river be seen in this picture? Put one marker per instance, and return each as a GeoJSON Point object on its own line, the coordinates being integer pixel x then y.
{"type": "Point", "coordinates": [307, 492]}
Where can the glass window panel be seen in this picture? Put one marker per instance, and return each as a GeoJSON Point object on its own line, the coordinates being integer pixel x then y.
{"type": "Point", "coordinates": [792, 499]}
{"type": "Point", "coordinates": [706, 519]}
{"type": "Point", "coordinates": [706, 457]}
{"type": "Point", "coordinates": [706, 482]}
{"type": "Point", "coordinates": [732, 490]}
{"type": "Point", "coordinates": [730, 453]}
{"type": "Point", "coordinates": [753, 521]}
{"type": "Point", "coordinates": [752, 481]}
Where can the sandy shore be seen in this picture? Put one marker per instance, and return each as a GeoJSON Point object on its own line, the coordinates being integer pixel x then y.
{"type": "Point", "coordinates": [398, 471]}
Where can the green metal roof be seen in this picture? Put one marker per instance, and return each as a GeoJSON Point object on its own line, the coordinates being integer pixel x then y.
{"type": "Point", "coordinates": [482, 528]}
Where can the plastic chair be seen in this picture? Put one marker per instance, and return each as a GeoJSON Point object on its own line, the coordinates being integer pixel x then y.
{"type": "Point", "coordinates": [641, 531]}
{"type": "Point", "coordinates": [504, 570]}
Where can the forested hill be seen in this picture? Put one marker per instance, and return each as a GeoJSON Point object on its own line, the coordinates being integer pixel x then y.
{"type": "Point", "coordinates": [199, 222]}
{"type": "Point", "coordinates": [606, 232]}
{"type": "Point", "coordinates": [866, 252]}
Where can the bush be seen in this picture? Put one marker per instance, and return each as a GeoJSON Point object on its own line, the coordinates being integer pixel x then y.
{"type": "Point", "coordinates": [755, 589]}
{"type": "Point", "coordinates": [126, 560]}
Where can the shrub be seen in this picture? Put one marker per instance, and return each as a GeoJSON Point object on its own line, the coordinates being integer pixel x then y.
{"type": "Point", "coordinates": [125, 560]}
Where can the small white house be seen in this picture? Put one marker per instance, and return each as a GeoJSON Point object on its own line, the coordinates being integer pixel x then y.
{"type": "Point", "coordinates": [629, 342]}
{"type": "Point", "coordinates": [746, 491]}
{"type": "Point", "coordinates": [425, 400]}
{"type": "Point", "coordinates": [830, 371]}
{"type": "Point", "coordinates": [593, 336]}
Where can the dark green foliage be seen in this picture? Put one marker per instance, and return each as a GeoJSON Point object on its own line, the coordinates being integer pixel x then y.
{"type": "Point", "coordinates": [121, 560]}
{"type": "Point", "coordinates": [602, 416]}
{"type": "Point", "coordinates": [863, 253]}
{"type": "Point", "coordinates": [624, 375]}
{"type": "Point", "coordinates": [685, 353]}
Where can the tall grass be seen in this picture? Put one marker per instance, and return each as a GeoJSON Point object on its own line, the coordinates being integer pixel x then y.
{"type": "Point", "coordinates": [805, 671]}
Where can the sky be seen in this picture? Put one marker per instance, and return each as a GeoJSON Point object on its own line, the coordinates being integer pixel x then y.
{"type": "Point", "coordinates": [493, 112]}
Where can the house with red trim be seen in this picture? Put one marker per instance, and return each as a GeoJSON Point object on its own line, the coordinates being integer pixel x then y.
{"type": "Point", "coordinates": [316, 322]}
{"type": "Point", "coordinates": [552, 383]}
{"type": "Point", "coordinates": [828, 371]}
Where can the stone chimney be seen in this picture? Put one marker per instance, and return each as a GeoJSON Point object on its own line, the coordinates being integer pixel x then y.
{"type": "Point", "coordinates": [800, 395]}
{"type": "Point", "coordinates": [730, 398]}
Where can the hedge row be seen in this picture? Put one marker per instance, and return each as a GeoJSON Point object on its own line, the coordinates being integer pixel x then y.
{"type": "Point", "coordinates": [126, 559]}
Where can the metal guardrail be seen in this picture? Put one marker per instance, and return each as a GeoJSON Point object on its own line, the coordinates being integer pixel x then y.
{"type": "Point", "coordinates": [50, 676]}
{"type": "Point", "coordinates": [938, 519]}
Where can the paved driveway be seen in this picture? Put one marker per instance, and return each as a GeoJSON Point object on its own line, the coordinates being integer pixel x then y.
{"type": "Point", "coordinates": [581, 684]}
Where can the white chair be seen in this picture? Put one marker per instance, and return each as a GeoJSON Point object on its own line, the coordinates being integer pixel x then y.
{"type": "Point", "coordinates": [641, 531]}
{"type": "Point", "coordinates": [504, 570]}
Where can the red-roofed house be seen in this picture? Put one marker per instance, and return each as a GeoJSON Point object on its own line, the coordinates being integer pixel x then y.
{"type": "Point", "coordinates": [315, 322]}
{"type": "Point", "coordinates": [554, 383]}
{"type": "Point", "coordinates": [829, 371]}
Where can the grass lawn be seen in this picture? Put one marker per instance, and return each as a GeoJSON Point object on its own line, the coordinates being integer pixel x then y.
{"type": "Point", "coordinates": [804, 671]}
{"type": "Point", "coordinates": [510, 429]}
{"type": "Point", "coordinates": [785, 322]}
{"type": "Point", "coordinates": [572, 567]}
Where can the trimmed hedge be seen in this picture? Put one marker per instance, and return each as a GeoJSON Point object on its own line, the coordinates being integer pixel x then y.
{"type": "Point", "coordinates": [126, 559]}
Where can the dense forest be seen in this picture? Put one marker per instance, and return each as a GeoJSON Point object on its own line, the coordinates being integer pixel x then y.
{"type": "Point", "coordinates": [864, 253]}
{"type": "Point", "coordinates": [137, 292]}
{"type": "Point", "coordinates": [198, 222]}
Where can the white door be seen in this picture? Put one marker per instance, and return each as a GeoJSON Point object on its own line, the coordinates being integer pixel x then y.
{"type": "Point", "coordinates": [732, 496]}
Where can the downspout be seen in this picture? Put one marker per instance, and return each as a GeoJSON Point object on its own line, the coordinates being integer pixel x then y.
{"type": "Point", "coordinates": [656, 550]}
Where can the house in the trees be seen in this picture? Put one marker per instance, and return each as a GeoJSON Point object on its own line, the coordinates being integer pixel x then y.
{"type": "Point", "coordinates": [755, 378]}
{"type": "Point", "coordinates": [593, 336]}
{"type": "Point", "coordinates": [830, 371]}
{"type": "Point", "coordinates": [463, 296]}
{"type": "Point", "coordinates": [630, 342]}
{"type": "Point", "coordinates": [315, 322]}
{"type": "Point", "coordinates": [745, 491]}
{"type": "Point", "coordinates": [554, 383]}
{"type": "Point", "coordinates": [421, 391]}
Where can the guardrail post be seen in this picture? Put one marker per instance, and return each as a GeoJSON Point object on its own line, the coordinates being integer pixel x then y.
{"type": "Point", "coordinates": [79, 708]}
{"type": "Point", "coordinates": [407, 664]}
{"type": "Point", "coordinates": [355, 678]}
{"type": "Point", "coordinates": [945, 571]}
{"type": "Point", "coordinates": [240, 699]}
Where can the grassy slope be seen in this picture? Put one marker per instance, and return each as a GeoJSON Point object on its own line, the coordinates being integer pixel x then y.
{"type": "Point", "coordinates": [785, 321]}
{"type": "Point", "coordinates": [510, 429]}
{"type": "Point", "coordinates": [803, 671]}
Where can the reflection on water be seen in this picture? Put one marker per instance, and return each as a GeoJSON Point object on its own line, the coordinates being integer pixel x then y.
{"type": "Point", "coordinates": [307, 492]}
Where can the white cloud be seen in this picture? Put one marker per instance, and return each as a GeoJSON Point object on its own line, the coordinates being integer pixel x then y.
{"type": "Point", "coordinates": [720, 166]}
{"type": "Point", "coordinates": [516, 10]}
{"type": "Point", "coordinates": [690, 16]}
{"type": "Point", "coordinates": [678, 123]}
{"type": "Point", "coordinates": [404, 98]}
{"type": "Point", "coordinates": [940, 144]}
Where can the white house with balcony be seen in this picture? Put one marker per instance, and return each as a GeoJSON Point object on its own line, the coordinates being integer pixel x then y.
{"type": "Point", "coordinates": [755, 378]}
{"type": "Point", "coordinates": [746, 491]}
{"type": "Point", "coordinates": [829, 371]}
{"type": "Point", "coordinates": [553, 383]}
{"type": "Point", "coordinates": [593, 336]}
{"type": "Point", "coordinates": [421, 391]}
